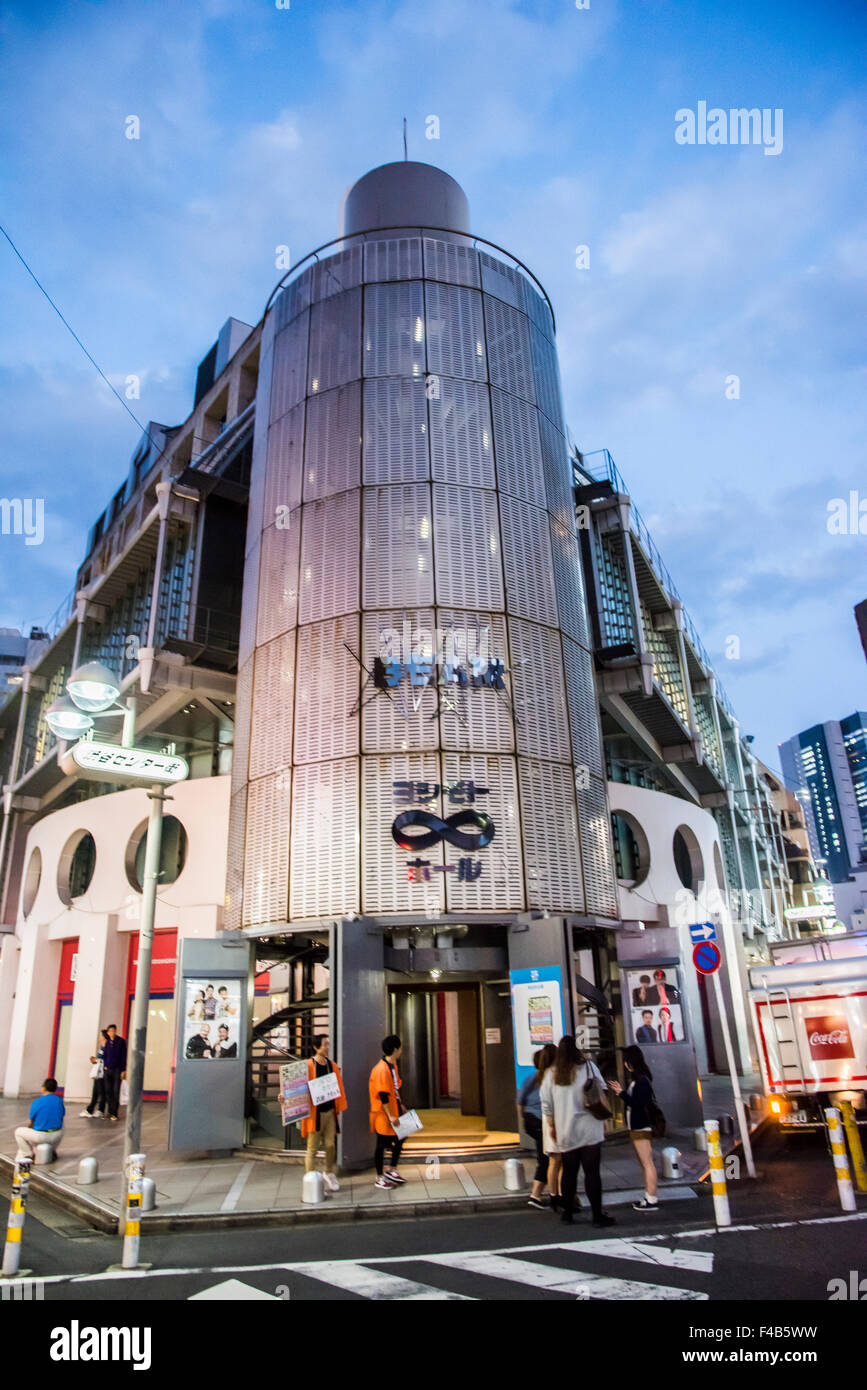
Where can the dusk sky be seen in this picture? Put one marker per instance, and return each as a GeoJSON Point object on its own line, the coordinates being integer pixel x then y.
{"type": "Point", "coordinates": [705, 261]}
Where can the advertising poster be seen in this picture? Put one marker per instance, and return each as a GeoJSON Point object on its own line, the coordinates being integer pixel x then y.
{"type": "Point", "coordinates": [653, 997]}
{"type": "Point", "coordinates": [294, 1096]}
{"type": "Point", "coordinates": [212, 1013]}
{"type": "Point", "coordinates": [537, 1013]}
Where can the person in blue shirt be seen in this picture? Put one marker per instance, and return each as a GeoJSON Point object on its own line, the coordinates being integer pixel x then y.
{"type": "Point", "coordinates": [46, 1121]}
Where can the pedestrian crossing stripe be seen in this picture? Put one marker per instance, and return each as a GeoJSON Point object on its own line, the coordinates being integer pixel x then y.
{"type": "Point", "coordinates": [559, 1280]}
{"type": "Point", "coordinates": [373, 1283]}
{"type": "Point", "coordinates": [358, 1277]}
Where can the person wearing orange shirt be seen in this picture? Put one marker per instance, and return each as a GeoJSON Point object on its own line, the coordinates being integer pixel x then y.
{"type": "Point", "coordinates": [322, 1127]}
{"type": "Point", "coordinates": [385, 1110]}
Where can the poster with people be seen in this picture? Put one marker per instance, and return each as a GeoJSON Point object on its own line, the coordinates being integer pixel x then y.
{"type": "Point", "coordinates": [212, 1014]}
{"type": "Point", "coordinates": [653, 996]}
{"type": "Point", "coordinates": [294, 1093]}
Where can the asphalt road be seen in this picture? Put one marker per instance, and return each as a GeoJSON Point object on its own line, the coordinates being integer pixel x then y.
{"type": "Point", "coordinates": [788, 1241]}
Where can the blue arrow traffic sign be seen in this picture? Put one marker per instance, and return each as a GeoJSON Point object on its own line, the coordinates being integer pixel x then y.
{"type": "Point", "coordinates": [702, 931]}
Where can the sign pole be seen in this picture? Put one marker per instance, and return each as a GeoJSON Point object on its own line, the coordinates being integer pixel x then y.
{"type": "Point", "coordinates": [743, 1124]}
{"type": "Point", "coordinates": [139, 1022]}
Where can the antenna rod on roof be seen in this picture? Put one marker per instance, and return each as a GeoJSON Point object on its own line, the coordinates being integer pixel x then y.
{"type": "Point", "coordinates": [404, 139]}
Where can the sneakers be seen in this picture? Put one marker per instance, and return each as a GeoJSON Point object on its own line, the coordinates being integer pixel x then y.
{"type": "Point", "coordinates": [394, 1177]}
{"type": "Point", "coordinates": [331, 1182]}
{"type": "Point", "coordinates": [86, 1115]}
{"type": "Point", "coordinates": [644, 1205]}
{"type": "Point", "coordinates": [537, 1204]}
{"type": "Point", "coordinates": [604, 1220]}
{"type": "Point", "coordinates": [386, 1183]}
{"type": "Point", "coordinates": [113, 1117]}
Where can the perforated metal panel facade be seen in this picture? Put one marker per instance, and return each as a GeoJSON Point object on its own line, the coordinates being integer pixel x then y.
{"type": "Point", "coordinates": [414, 481]}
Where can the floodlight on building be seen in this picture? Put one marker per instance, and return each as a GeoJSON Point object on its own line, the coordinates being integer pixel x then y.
{"type": "Point", "coordinates": [65, 719]}
{"type": "Point", "coordinates": [93, 687]}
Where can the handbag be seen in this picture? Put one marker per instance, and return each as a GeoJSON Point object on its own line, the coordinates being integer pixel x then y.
{"type": "Point", "coordinates": [594, 1100]}
{"type": "Point", "coordinates": [123, 1098]}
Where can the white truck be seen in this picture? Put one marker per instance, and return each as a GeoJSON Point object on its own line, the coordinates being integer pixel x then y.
{"type": "Point", "coordinates": [809, 1012]}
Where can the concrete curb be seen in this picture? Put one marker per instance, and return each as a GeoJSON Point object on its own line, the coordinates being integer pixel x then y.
{"type": "Point", "coordinates": [103, 1218]}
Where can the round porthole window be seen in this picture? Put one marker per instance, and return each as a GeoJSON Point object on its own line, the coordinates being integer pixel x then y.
{"type": "Point", "coordinates": [718, 868]}
{"type": "Point", "coordinates": [631, 849]}
{"type": "Point", "coordinates": [77, 863]}
{"type": "Point", "coordinates": [687, 858]}
{"type": "Point", "coordinates": [173, 853]}
{"type": "Point", "coordinates": [32, 880]}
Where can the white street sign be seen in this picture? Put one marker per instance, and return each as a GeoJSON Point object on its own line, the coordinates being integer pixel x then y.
{"type": "Point", "coordinates": [110, 762]}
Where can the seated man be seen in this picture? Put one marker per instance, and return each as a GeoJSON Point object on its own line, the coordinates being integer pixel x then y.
{"type": "Point", "coordinates": [46, 1121]}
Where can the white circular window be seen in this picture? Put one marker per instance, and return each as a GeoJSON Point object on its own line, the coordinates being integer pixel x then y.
{"type": "Point", "coordinates": [77, 863]}
{"type": "Point", "coordinates": [32, 880]}
{"type": "Point", "coordinates": [173, 853]}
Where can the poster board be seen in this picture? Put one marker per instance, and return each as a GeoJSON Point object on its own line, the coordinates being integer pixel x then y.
{"type": "Point", "coordinates": [537, 1013]}
{"type": "Point", "coordinates": [294, 1096]}
{"type": "Point", "coordinates": [652, 999]}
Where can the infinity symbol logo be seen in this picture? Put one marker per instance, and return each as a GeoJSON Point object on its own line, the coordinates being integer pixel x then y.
{"type": "Point", "coordinates": [442, 830]}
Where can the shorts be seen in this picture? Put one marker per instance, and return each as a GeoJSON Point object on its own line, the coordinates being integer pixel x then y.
{"type": "Point", "coordinates": [641, 1133]}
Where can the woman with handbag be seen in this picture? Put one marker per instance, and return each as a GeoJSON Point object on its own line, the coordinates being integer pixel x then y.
{"type": "Point", "coordinates": [530, 1107]}
{"type": "Point", "coordinates": [574, 1110]}
{"type": "Point", "coordinates": [642, 1110]}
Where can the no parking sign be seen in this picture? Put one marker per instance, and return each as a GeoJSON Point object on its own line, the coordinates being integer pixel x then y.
{"type": "Point", "coordinates": [707, 958]}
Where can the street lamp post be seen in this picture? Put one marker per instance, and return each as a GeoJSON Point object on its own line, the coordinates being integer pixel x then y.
{"type": "Point", "coordinates": [92, 693]}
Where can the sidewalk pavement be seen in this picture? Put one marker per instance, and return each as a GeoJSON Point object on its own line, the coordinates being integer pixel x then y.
{"type": "Point", "coordinates": [248, 1189]}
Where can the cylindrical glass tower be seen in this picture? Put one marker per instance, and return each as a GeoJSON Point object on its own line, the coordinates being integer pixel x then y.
{"type": "Point", "coordinates": [415, 633]}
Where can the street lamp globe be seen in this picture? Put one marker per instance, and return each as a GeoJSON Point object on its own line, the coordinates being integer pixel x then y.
{"type": "Point", "coordinates": [66, 720]}
{"type": "Point", "coordinates": [93, 687]}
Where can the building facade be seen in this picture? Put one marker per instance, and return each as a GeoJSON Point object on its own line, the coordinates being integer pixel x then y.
{"type": "Point", "coordinates": [827, 766]}
{"type": "Point", "coordinates": [418, 774]}
{"type": "Point", "coordinates": [460, 765]}
{"type": "Point", "coordinates": [697, 830]}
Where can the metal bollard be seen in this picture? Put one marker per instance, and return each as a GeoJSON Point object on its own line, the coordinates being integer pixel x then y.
{"type": "Point", "coordinates": [148, 1194]}
{"type": "Point", "coordinates": [44, 1155]}
{"type": "Point", "coordinates": [726, 1125]}
{"type": "Point", "coordinates": [856, 1150]}
{"type": "Point", "coordinates": [841, 1162]}
{"type": "Point", "coordinates": [670, 1167]}
{"type": "Point", "coordinates": [132, 1225]}
{"type": "Point", "coordinates": [88, 1172]}
{"type": "Point", "coordinates": [15, 1224]}
{"type": "Point", "coordinates": [721, 1211]}
{"type": "Point", "coordinates": [757, 1102]}
{"type": "Point", "coordinates": [700, 1139]}
{"type": "Point", "coordinates": [514, 1177]}
{"type": "Point", "coordinates": [313, 1188]}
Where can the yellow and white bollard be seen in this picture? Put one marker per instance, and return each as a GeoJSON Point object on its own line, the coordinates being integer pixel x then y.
{"type": "Point", "coordinates": [841, 1162]}
{"type": "Point", "coordinates": [15, 1224]}
{"type": "Point", "coordinates": [721, 1212]}
{"type": "Point", "coordinates": [132, 1224]}
{"type": "Point", "coordinates": [856, 1149]}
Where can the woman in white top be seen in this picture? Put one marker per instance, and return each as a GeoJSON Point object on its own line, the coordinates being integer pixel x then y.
{"type": "Point", "coordinates": [571, 1129]}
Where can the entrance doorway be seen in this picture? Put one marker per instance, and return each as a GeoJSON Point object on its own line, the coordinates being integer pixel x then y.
{"type": "Point", "coordinates": [462, 1089]}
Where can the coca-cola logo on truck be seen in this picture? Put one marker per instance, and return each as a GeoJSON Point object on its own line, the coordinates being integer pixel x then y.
{"type": "Point", "coordinates": [829, 1036]}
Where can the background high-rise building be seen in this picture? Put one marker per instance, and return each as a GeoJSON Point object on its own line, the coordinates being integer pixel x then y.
{"type": "Point", "coordinates": [829, 763]}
